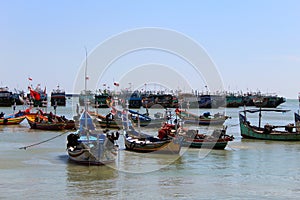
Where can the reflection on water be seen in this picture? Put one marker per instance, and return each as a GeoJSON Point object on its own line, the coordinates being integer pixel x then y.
{"type": "Point", "coordinates": [88, 181]}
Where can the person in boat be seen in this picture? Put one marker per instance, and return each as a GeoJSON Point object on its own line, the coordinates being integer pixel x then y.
{"type": "Point", "coordinates": [289, 128]}
{"type": "Point", "coordinates": [109, 117]}
{"type": "Point", "coordinates": [72, 141]}
{"type": "Point", "coordinates": [2, 114]}
{"type": "Point", "coordinates": [268, 128]}
{"type": "Point", "coordinates": [206, 114]}
{"type": "Point", "coordinates": [19, 114]}
{"type": "Point", "coordinates": [165, 133]}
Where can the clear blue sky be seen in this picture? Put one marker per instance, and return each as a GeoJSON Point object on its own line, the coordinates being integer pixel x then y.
{"type": "Point", "coordinates": [254, 44]}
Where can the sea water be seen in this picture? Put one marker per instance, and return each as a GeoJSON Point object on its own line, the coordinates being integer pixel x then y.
{"type": "Point", "coordinates": [246, 169]}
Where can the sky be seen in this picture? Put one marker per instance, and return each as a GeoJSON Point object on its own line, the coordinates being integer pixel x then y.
{"type": "Point", "coordinates": [254, 45]}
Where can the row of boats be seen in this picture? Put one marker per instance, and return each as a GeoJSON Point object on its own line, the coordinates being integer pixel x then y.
{"type": "Point", "coordinates": [38, 97]}
{"type": "Point", "coordinates": [150, 99]}
{"type": "Point", "coordinates": [171, 137]}
{"type": "Point", "coordinates": [96, 144]}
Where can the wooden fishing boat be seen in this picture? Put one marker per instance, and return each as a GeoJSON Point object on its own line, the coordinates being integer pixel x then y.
{"type": "Point", "coordinates": [143, 143]}
{"type": "Point", "coordinates": [110, 121]}
{"type": "Point", "coordinates": [268, 132]}
{"type": "Point", "coordinates": [90, 146]}
{"type": "Point", "coordinates": [11, 120]}
{"type": "Point", "coordinates": [193, 139]}
{"type": "Point", "coordinates": [145, 121]}
{"type": "Point", "coordinates": [38, 121]}
{"type": "Point", "coordinates": [15, 118]}
{"type": "Point", "coordinates": [205, 119]}
{"type": "Point", "coordinates": [52, 118]}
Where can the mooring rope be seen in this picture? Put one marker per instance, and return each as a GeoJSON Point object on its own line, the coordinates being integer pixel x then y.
{"type": "Point", "coordinates": [25, 147]}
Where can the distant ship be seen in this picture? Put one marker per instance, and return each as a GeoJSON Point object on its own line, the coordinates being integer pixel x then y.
{"type": "Point", "coordinates": [58, 97]}
{"type": "Point", "coordinates": [5, 97]}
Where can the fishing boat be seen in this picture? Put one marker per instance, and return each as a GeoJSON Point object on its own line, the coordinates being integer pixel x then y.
{"type": "Point", "coordinates": [112, 120]}
{"type": "Point", "coordinates": [193, 139]}
{"type": "Point", "coordinates": [5, 97]}
{"type": "Point", "coordinates": [205, 119]}
{"type": "Point", "coordinates": [90, 146]}
{"type": "Point", "coordinates": [86, 94]}
{"type": "Point", "coordinates": [39, 121]}
{"type": "Point", "coordinates": [102, 100]}
{"type": "Point", "coordinates": [11, 119]}
{"type": "Point", "coordinates": [144, 143]}
{"type": "Point", "coordinates": [163, 100]}
{"type": "Point", "coordinates": [37, 97]}
{"type": "Point", "coordinates": [51, 118]}
{"type": "Point", "coordinates": [267, 132]}
{"type": "Point", "coordinates": [58, 97]}
{"type": "Point", "coordinates": [268, 101]}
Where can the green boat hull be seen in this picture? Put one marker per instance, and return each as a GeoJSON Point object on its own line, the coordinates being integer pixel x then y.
{"type": "Point", "coordinates": [252, 132]}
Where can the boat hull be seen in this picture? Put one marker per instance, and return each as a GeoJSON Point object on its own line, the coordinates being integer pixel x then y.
{"type": "Point", "coordinates": [11, 121]}
{"type": "Point", "coordinates": [219, 144]}
{"type": "Point", "coordinates": [160, 147]}
{"type": "Point", "coordinates": [44, 125]}
{"type": "Point", "coordinates": [84, 157]}
{"type": "Point", "coordinates": [251, 132]}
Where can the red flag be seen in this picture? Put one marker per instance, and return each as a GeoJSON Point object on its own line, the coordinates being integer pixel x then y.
{"type": "Point", "coordinates": [116, 84]}
{"type": "Point", "coordinates": [29, 78]}
{"type": "Point", "coordinates": [34, 94]}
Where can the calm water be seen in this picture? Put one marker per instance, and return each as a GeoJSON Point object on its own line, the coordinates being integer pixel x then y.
{"type": "Point", "coordinates": [246, 169]}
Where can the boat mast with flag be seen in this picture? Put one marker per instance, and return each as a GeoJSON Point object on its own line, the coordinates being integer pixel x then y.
{"type": "Point", "coordinates": [89, 145]}
{"type": "Point", "coordinates": [37, 97]}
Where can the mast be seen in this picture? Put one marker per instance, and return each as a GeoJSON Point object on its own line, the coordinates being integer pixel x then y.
{"type": "Point", "coordinates": [85, 96]}
{"type": "Point", "coordinates": [259, 117]}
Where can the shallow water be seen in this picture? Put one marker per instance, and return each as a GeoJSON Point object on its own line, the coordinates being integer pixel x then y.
{"type": "Point", "coordinates": [246, 169]}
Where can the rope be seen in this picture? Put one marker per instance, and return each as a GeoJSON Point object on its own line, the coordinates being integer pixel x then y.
{"type": "Point", "coordinates": [25, 147]}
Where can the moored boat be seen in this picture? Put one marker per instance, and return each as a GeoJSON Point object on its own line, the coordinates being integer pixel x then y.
{"type": "Point", "coordinates": [193, 139]}
{"type": "Point", "coordinates": [205, 119]}
{"type": "Point", "coordinates": [58, 97]}
{"type": "Point", "coordinates": [11, 120]}
{"type": "Point", "coordinates": [39, 121]}
{"type": "Point", "coordinates": [144, 143]}
{"type": "Point", "coordinates": [267, 132]}
{"type": "Point", "coordinates": [90, 146]}
{"type": "Point", "coordinates": [5, 97]}
{"type": "Point", "coordinates": [268, 101]}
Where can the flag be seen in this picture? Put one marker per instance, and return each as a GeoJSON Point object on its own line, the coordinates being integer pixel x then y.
{"type": "Point", "coordinates": [45, 90]}
{"type": "Point", "coordinates": [34, 94]}
{"type": "Point", "coordinates": [116, 84]}
{"type": "Point", "coordinates": [30, 79]}
{"type": "Point", "coordinates": [87, 78]}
